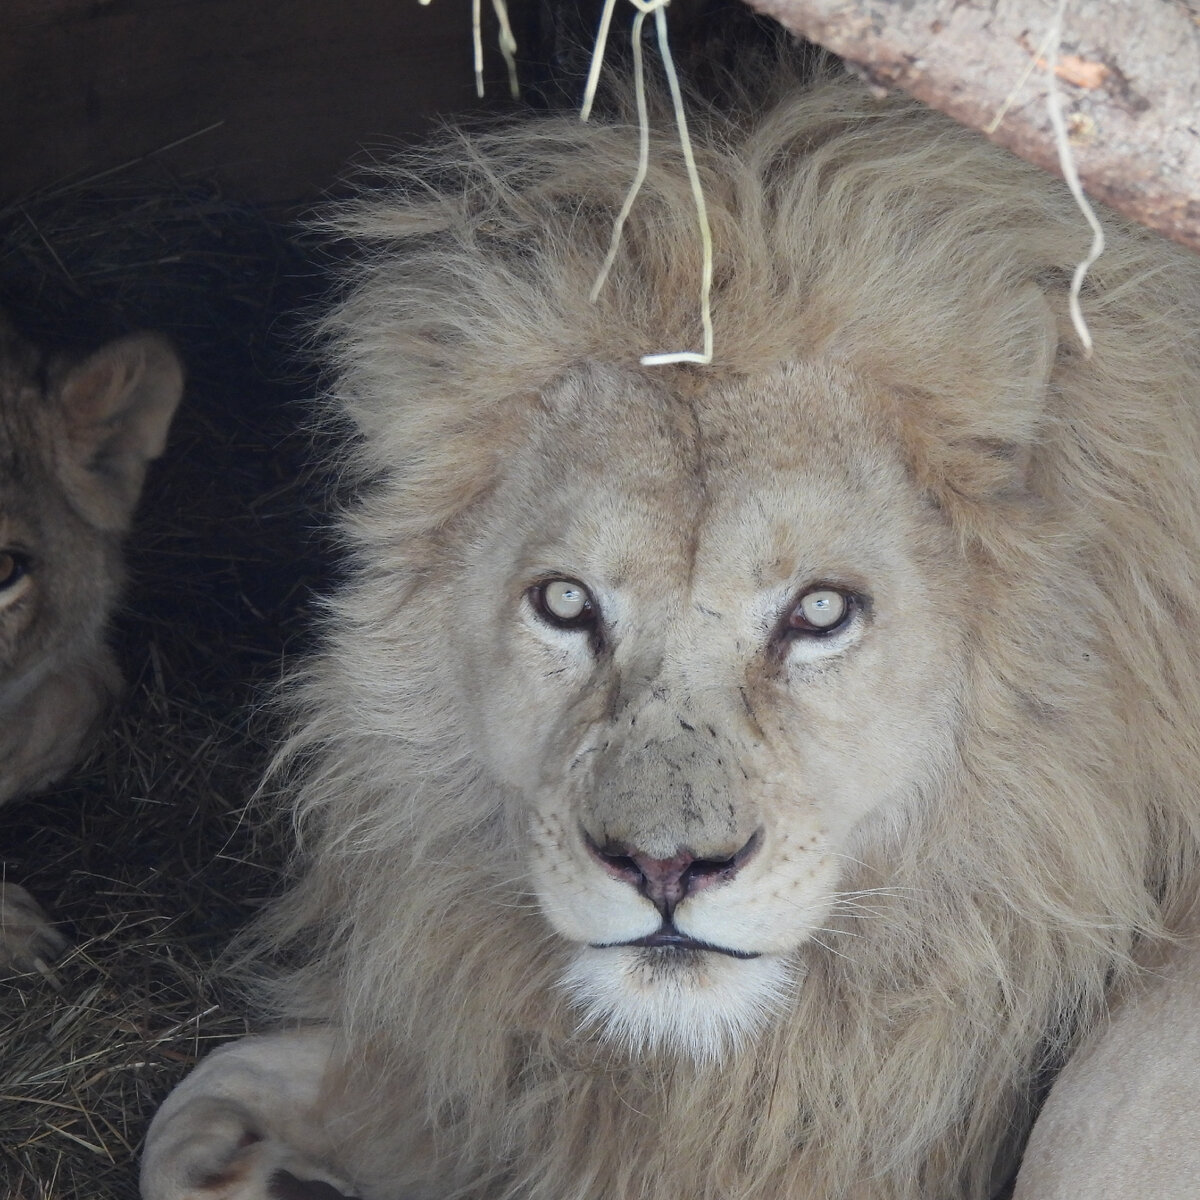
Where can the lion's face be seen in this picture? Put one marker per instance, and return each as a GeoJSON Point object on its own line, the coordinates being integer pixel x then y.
{"type": "Point", "coordinates": [713, 646]}
{"type": "Point", "coordinates": [75, 440]}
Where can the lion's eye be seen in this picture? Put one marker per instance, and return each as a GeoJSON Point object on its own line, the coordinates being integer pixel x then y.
{"type": "Point", "coordinates": [13, 566]}
{"type": "Point", "coordinates": [564, 603]}
{"type": "Point", "coordinates": [821, 610]}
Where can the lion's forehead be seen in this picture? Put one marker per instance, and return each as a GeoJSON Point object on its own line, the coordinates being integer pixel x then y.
{"type": "Point", "coordinates": [812, 415]}
{"type": "Point", "coordinates": [747, 483]}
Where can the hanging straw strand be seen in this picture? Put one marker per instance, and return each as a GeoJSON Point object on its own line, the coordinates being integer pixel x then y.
{"type": "Point", "coordinates": [644, 9]}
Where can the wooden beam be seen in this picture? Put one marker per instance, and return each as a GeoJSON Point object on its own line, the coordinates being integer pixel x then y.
{"type": "Point", "coordinates": [1128, 72]}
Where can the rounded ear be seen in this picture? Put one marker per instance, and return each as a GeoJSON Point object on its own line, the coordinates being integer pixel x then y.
{"type": "Point", "coordinates": [116, 408]}
{"type": "Point", "coordinates": [982, 452]}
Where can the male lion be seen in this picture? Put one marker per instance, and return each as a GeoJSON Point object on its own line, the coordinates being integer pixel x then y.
{"type": "Point", "coordinates": [75, 441]}
{"type": "Point", "coordinates": [742, 780]}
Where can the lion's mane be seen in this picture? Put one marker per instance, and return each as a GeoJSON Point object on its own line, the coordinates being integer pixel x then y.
{"type": "Point", "coordinates": [936, 266]}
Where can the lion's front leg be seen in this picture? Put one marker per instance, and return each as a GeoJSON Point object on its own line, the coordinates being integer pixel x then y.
{"type": "Point", "coordinates": [247, 1125]}
{"type": "Point", "coordinates": [1121, 1122]}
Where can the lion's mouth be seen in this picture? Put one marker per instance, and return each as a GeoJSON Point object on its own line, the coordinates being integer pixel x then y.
{"type": "Point", "coordinates": [667, 937]}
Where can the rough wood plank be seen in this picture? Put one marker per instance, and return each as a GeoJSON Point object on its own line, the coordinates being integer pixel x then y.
{"type": "Point", "coordinates": [1128, 72]}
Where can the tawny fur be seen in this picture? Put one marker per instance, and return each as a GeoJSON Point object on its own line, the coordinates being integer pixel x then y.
{"type": "Point", "coordinates": [880, 240]}
{"type": "Point", "coordinates": [75, 440]}
{"type": "Point", "coordinates": [1121, 1119]}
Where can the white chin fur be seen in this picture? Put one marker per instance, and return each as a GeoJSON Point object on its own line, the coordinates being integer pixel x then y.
{"type": "Point", "coordinates": [699, 1005]}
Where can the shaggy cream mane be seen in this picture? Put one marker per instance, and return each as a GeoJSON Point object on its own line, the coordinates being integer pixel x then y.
{"type": "Point", "coordinates": [1004, 909]}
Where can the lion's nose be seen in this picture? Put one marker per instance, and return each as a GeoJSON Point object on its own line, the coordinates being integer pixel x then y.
{"type": "Point", "coordinates": [666, 881]}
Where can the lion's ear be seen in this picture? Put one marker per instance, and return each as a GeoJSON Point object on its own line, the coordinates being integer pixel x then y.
{"type": "Point", "coordinates": [985, 450]}
{"type": "Point", "coordinates": [117, 406]}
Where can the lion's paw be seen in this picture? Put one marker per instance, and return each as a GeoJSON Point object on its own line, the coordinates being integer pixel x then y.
{"type": "Point", "coordinates": [246, 1124]}
{"type": "Point", "coordinates": [28, 938]}
{"type": "Point", "coordinates": [215, 1153]}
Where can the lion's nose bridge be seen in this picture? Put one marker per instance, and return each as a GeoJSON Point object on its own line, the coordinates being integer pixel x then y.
{"type": "Point", "coordinates": [665, 783]}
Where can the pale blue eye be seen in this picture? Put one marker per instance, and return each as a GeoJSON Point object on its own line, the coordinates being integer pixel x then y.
{"type": "Point", "coordinates": [823, 608]}
{"type": "Point", "coordinates": [565, 599]}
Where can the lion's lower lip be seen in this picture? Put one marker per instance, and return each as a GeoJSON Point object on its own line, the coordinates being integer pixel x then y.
{"type": "Point", "coordinates": [670, 939]}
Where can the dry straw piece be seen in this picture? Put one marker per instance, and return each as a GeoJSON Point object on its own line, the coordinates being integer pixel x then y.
{"type": "Point", "coordinates": [1047, 56]}
{"type": "Point", "coordinates": [507, 42]}
{"type": "Point", "coordinates": [1066, 163]}
{"type": "Point", "coordinates": [644, 9]}
{"type": "Point", "coordinates": [508, 47]}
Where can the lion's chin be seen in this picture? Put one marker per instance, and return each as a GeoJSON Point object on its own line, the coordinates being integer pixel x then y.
{"type": "Point", "coordinates": [696, 1004]}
